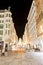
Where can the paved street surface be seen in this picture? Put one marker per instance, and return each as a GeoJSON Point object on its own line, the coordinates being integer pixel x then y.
{"type": "Point", "coordinates": [27, 58]}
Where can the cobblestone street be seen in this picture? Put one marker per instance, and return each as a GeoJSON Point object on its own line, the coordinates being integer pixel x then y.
{"type": "Point", "coordinates": [28, 58]}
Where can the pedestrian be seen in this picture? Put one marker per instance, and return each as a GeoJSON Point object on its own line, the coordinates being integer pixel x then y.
{"type": "Point", "coordinates": [3, 52]}
{"type": "Point", "coordinates": [6, 49]}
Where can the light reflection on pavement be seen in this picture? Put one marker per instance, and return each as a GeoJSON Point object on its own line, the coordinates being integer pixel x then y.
{"type": "Point", "coordinates": [27, 58]}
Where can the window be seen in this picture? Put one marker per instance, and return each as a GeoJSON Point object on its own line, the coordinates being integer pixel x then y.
{"type": "Point", "coordinates": [5, 31]}
{"type": "Point", "coordinates": [6, 20]}
{"type": "Point", "coordinates": [1, 32]}
{"type": "Point", "coordinates": [8, 32]}
{"type": "Point", "coordinates": [32, 7]}
{"type": "Point", "coordinates": [9, 20]}
{"type": "Point", "coordinates": [7, 25]}
{"type": "Point", "coordinates": [6, 15]}
{"type": "Point", "coordinates": [2, 21]}
{"type": "Point", "coordinates": [0, 16]}
{"type": "Point", "coordinates": [33, 4]}
{"type": "Point", "coordinates": [9, 15]}
{"type": "Point", "coordinates": [0, 38]}
{"type": "Point", "coordinates": [1, 25]}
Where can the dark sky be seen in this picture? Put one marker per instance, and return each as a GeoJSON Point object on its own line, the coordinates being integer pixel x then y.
{"type": "Point", "coordinates": [20, 10]}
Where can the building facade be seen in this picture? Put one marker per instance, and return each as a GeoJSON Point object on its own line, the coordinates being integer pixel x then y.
{"type": "Point", "coordinates": [7, 30]}
{"type": "Point", "coordinates": [25, 38]}
{"type": "Point", "coordinates": [13, 38]}
{"type": "Point", "coordinates": [25, 35]}
{"type": "Point", "coordinates": [39, 20]}
{"type": "Point", "coordinates": [34, 26]}
{"type": "Point", "coordinates": [5, 22]}
{"type": "Point", "coordinates": [32, 31]}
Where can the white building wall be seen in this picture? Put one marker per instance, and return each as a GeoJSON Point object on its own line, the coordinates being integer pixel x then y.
{"type": "Point", "coordinates": [5, 19]}
{"type": "Point", "coordinates": [32, 23]}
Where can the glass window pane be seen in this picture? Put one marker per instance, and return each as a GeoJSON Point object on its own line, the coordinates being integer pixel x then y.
{"type": "Point", "coordinates": [6, 25]}
{"type": "Point", "coordinates": [0, 38]}
{"type": "Point", "coordinates": [2, 21]}
{"type": "Point", "coordinates": [5, 31]}
{"type": "Point", "coordinates": [8, 32]}
{"type": "Point", "coordinates": [1, 25]}
{"type": "Point", "coordinates": [1, 32]}
{"type": "Point", "coordinates": [6, 15]}
{"type": "Point", "coordinates": [6, 20]}
{"type": "Point", "coordinates": [9, 26]}
{"type": "Point", "coordinates": [0, 16]}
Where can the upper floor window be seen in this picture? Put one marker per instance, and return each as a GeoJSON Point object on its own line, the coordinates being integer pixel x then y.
{"type": "Point", "coordinates": [6, 15]}
{"type": "Point", "coordinates": [6, 20]}
{"type": "Point", "coordinates": [1, 26]}
{"type": "Point", "coordinates": [7, 25]}
{"type": "Point", "coordinates": [8, 32]}
{"type": "Point", "coordinates": [0, 16]}
{"type": "Point", "coordinates": [0, 21]}
{"type": "Point", "coordinates": [0, 38]}
{"type": "Point", "coordinates": [9, 20]}
{"type": "Point", "coordinates": [5, 31]}
{"type": "Point", "coordinates": [9, 15]}
{"type": "Point", "coordinates": [1, 32]}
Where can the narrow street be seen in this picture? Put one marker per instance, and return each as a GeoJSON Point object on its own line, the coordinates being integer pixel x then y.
{"type": "Point", "coordinates": [28, 58]}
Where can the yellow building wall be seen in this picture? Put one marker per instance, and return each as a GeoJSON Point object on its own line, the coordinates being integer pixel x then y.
{"type": "Point", "coordinates": [39, 17]}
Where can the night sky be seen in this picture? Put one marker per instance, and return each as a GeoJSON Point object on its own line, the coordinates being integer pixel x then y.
{"type": "Point", "coordinates": [20, 10]}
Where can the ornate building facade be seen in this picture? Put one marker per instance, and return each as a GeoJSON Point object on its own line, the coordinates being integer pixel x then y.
{"type": "Point", "coordinates": [7, 30]}
{"type": "Point", "coordinates": [32, 24]}
{"type": "Point", "coordinates": [39, 20]}
{"type": "Point", "coordinates": [25, 36]}
{"type": "Point", "coordinates": [30, 33]}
